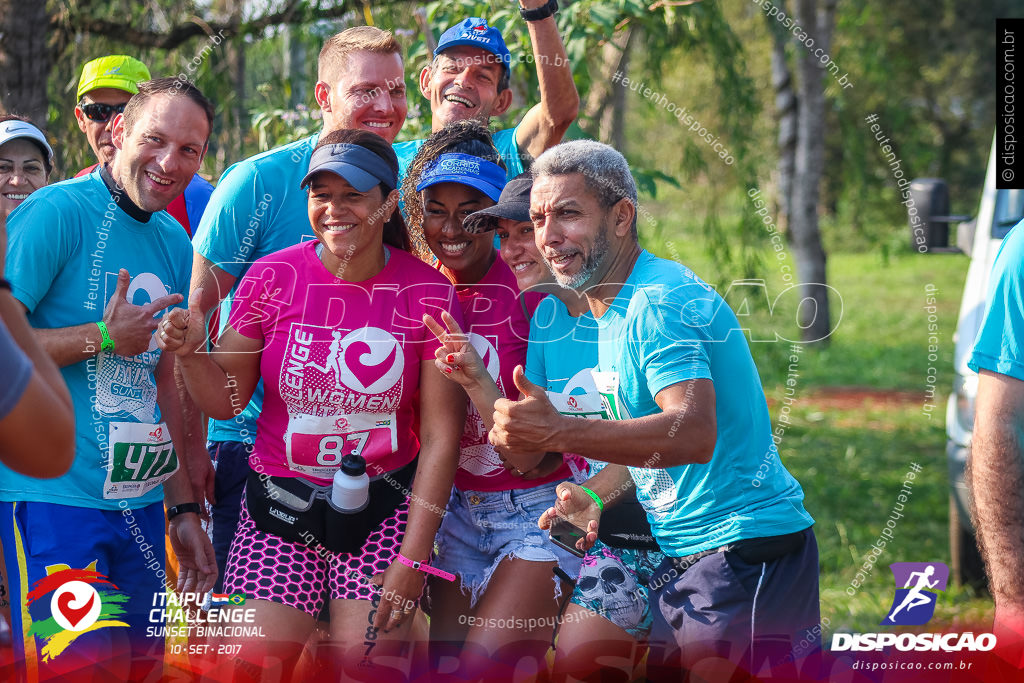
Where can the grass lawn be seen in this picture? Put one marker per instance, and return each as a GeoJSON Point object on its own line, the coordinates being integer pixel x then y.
{"type": "Point", "coordinates": [851, 450]}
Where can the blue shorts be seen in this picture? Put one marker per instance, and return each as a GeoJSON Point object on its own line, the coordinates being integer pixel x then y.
{"type": "Point", "coordinates": [115, 565]}
{"type": "Point", "coordinates": [613, 584]}
{"type": "Point", "coordinates": [747, 611]}
{"type": "Point", "coordinates": [481, 528]}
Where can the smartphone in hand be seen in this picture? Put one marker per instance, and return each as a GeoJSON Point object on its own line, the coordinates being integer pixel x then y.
{"type": "Point", "coordinates": [565, 534]}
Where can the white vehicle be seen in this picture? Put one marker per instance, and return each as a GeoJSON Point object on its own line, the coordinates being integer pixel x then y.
{"type": "Point", "coordinates": [998, 212]}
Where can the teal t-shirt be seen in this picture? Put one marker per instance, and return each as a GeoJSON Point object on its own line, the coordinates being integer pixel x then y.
{"type": "Point", "coordinates": [561, 357]}
{"type": "Point", "coordinates": [66, 244]}
{"type": "Point", "coordinates": [1000, 344]}
{"type": "Point", "coordinates": [562, 350]}
{"type": "Point", "coordinates": [667, 326]}
{"type": "Point", "coordinates": [257, 208]}
{"type": "Point", "coordinates": [504, 141]}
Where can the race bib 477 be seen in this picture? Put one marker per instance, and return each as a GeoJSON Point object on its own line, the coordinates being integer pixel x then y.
{"type": "Point", "coordinates": [141, 457]}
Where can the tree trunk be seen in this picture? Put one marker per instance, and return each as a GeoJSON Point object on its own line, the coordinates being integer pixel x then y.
{"type": "Point", "coordinates": [606, 102]}
{"type": "Point", "coordinates": [786, 112]}
{"type": "Point", "coordinates": [24, 59]}
{"type": "Point", "coordinates": [805, 237]}
{"type": "Point", "coordinates": [294, 66]}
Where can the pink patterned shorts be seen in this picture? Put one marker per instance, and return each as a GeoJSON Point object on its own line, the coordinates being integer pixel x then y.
{"type": "Point", "coordinates": [266, 567]}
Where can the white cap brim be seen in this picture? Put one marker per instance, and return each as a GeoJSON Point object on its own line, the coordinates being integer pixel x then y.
{"type": "Point", "coordinates": [14, 129]}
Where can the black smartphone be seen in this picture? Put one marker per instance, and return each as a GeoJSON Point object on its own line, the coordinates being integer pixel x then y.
{"type": "Point", "coordinates": [564, 534]}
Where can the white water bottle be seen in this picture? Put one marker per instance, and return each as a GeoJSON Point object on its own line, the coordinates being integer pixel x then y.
{"type": "Point", "coordinates": [351, 490]}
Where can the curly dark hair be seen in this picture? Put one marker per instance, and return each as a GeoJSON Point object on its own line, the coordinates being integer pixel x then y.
{"type": "Point", "coordinates": [395, 232]}
{"type": "Point", "coordinates": [460, 137]}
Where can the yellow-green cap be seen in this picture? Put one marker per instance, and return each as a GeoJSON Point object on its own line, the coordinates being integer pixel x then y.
{"type": "Point", "coordinates": [113, 71]}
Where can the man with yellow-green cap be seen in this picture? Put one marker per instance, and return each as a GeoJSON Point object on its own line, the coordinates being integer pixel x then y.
{"type": "Point", "coordinates": [106, 85]}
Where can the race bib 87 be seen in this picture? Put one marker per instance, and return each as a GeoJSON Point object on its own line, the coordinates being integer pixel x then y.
{"type": "Point", "coordinates": [315, 445]}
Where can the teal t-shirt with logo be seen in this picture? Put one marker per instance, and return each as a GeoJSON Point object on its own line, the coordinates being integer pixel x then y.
{"type": "Point", "coordinates": [67, 243]}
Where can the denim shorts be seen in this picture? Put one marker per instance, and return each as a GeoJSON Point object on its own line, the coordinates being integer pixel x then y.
{"type": "Point", "coordinates": [481, 528]}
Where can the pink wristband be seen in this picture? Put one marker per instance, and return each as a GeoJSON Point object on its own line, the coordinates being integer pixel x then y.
{"type": "Point", "coordinates": [426, 568]}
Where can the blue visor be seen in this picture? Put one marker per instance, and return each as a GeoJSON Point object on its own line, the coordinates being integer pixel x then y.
{"type": "Point", "coordinates": [466, 169]}
{"type": "Point", "coordinates": [363, 169]}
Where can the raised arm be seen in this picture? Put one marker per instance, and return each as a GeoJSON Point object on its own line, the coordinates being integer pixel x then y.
{"type": "Point", "coordinates": [547, 121]}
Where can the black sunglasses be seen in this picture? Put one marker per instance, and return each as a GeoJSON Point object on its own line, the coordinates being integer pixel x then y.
{"type": "Point", "coordinates": [96, 111]}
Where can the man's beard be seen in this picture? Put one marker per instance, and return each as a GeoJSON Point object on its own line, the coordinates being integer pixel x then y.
{"type": "Point", "coordinates": [591, 262]}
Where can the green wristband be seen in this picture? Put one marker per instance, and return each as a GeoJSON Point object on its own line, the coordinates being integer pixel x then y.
{"type": "Point", "coordinates": [597, 498]}
{"type": "Point", "coordinates": [108, 343]}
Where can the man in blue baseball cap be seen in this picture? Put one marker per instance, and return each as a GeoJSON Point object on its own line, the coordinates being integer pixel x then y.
{"type": "Point", "coordinates": [469, 79]}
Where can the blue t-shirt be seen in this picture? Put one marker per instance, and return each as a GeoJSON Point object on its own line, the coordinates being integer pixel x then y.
{"type": "Point", "coordinates": [999, 344]}
{"type": "Point", "coordinates": [667, 326]}
{"type": "Point", "coordinates": [504, 141]}
{"type": "Point", "coordinates": [15, 368]}
{"type": "Point", "coordinates": [257, 208]}
{"type": "Point", "coordinates": [67, 243]}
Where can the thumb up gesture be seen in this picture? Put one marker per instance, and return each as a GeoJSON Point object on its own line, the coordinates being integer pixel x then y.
{"type": "Point", "coordinates": [530, 424]}
{"type": "Point", "coordinates": [182, 332]}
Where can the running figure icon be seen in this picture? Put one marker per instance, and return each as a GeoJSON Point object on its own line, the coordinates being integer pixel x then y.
{"type": "Point", "coordinates": [915, 597]}
{"type": "Point", "coordinates": [333, 361]}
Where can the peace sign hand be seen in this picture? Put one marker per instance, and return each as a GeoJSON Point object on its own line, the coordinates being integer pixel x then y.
{"type": "Point", "coordinates": [455, 358]}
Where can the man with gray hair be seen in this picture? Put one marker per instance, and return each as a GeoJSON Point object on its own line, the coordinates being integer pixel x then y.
{"type": "Point", "coordinates": [688, 418]}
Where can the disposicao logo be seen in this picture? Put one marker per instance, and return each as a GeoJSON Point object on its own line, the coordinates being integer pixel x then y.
{"type": "Point", "coordinates": [917, 588]}
{"type": "Point", "coordinates": [79, 603]}
{"type": "Point", "coordinates": [914, 603]}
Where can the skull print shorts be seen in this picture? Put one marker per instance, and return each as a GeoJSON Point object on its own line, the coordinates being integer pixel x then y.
{"type": "Point", "coordinates": [613, 584]}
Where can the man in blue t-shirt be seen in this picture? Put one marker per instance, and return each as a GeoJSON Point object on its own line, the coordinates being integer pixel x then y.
{"type": "Point", "coordinates": [469, 79]}
{"type": "Point", "coordinates": [91, 542]}
{"type": "Point", "coordinates": [690, 422]}
{"type": "Point", "coordinates": [996, 465]}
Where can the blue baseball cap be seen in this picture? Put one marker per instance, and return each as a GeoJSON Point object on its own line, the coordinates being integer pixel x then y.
{"type": "Point", "coordinates": [466, 169]}
{"type": "Point", "coordinates": [475, 32]}
{"type": "Point", "coordinates": [363, 169]}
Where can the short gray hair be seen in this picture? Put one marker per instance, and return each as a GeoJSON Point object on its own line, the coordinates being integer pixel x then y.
{"type": "Point", "coordinates": [605, 171]}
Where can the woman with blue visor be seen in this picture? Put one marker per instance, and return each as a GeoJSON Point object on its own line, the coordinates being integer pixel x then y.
{"type": "Point", "coordinates": [502, 611]}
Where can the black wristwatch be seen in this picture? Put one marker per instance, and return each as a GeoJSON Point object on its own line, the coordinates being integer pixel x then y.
{"type": "Point", "coordinates": [176, 510]}
{"type": "Point", "coordinates": [538, 13]}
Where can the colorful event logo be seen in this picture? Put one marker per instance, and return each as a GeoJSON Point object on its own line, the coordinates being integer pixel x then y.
{"type": "Point", "coordinates": [79, 603]}
{"type": "Point", "coordinates": [914, 603]}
